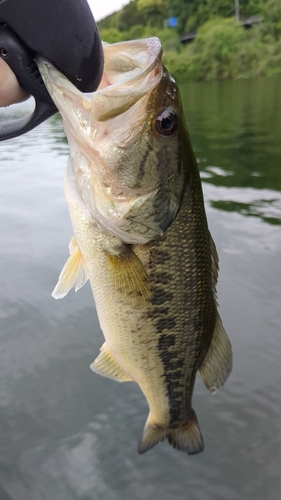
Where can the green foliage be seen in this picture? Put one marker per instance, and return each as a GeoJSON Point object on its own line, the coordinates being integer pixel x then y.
{"type": "Point", "coordinates": [109, 22]}
{"type": "Point", "coordinates": [152, 11]}
{"type": "Point", "coordinates": [211, 8]}
{"type": "Point", "coordinates": [218, 38]}
{"type": "Point", "coordinates": [271, 26]}
{"type": "Point", "coordinates": [211, 55]}
{"type": "Point", "coordinates": [111, 35]}
{"type": "Point", "coordinates": [130, 16]}
{"type": "Point", "coordinates": [222, 48]}
{"type": "Point", "coordinates": [192, 14]}
{"type": "Point", "coordinates": [169, 38]}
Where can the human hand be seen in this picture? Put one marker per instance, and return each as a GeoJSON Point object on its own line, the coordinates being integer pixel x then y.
{"type": "Point", "coordinates": [10, 90]}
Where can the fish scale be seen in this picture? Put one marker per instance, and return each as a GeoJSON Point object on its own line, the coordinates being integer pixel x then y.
{"type": "Point", "coordinates": [141, 237]}
{"type": "Point", "coordinates": [183, 324]}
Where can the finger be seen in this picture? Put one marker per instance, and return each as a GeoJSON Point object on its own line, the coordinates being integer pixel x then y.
{"type": "Point", "coordinates": [10, 90]}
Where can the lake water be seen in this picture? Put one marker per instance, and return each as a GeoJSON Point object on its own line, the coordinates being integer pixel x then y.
{"type": "Point", "coordinates": [68, 434]}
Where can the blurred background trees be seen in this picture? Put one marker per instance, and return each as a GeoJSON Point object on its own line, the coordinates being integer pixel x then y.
{"type": "Point", "coordinates": [221, 49]}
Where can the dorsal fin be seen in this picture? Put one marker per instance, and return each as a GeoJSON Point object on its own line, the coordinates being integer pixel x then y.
{"type": "Point", "coordinates": [214, 262]}
{"type": "Point", "coordinates": [73, 274]}
{"type": "Point", "coordinates": [217, 363]}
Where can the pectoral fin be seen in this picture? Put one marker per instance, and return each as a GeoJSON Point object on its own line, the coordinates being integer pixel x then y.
{"type": "Point", "coordinates": [73, 274]}
{"type": "Point", "coordinates": [129, 274]}
{"type": "Point", "coordinates": [106, 366]}
{"type": "Point", "coordinates": [217, 363]}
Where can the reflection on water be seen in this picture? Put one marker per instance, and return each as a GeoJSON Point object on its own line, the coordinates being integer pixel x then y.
{"type": "Point", "coordinates": [272, 209]}
{"type": "Point", "coordinates": [68, 434]}
{"type": "Point", "coordinates": [237, 142]}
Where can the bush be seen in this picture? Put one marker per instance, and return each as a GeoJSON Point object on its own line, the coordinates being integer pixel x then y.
{"type": "Point", "coordinates": [112, 35]}
{"type": "Point", "coordinates": [136, 32]}
{"type": "Point", "coordinates": [271, 12]}
{"type": "Point", "coordinates": [215, 48]}
{"type": "Point", "coordinates": [222, 48]}
{"type": "Point", "coordinates": [179, 66]}
{"type": "Point", "coordinates": [170, 40]}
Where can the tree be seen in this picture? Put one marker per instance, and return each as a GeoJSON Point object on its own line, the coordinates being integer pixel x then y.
{"type": "Point", "coordinates": [152, 10]}
{"type": "Point", "coordinates": [130, 16]}
{"type": "Point", "coordinates": [271, 12]}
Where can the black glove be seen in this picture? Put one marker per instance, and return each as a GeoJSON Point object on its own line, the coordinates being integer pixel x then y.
{"type": "Point", "coordinates": [63, 31]}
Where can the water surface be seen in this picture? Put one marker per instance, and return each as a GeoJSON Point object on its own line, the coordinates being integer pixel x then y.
{"type": "Point", "coordinates": [69, 434]}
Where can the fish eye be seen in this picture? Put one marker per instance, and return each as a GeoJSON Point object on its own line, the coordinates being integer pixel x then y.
{"type": "Point", "coordinates": [166, 123]}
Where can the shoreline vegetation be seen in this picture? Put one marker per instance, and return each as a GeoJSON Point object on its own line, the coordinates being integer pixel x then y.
{"type": "Point", "coordinates": [222, 49]}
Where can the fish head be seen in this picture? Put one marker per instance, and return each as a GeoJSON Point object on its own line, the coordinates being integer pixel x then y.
{"type": "Point", "coordinates": [125, 140]}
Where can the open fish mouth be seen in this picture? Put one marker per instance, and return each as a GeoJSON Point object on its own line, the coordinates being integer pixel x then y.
{"type": "Point", "coordinates": [128, 75]}
{"type": "Point", "coordinates": [131, 70]}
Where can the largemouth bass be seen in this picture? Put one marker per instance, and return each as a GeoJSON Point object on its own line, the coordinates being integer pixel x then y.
{"type": "Point", "coordinates": [141, 237]}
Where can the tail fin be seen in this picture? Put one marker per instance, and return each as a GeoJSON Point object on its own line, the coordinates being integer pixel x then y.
{"type": "Point", "coordinates": [186, 437]}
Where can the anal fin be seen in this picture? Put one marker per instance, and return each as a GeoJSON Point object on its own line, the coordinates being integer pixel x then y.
{"type": "Point", "coordinates": [217, 363]}
{"type": "Point", "coordinates": [106, 366]}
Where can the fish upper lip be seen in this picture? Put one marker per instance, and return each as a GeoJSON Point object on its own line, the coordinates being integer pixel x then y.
{"type": "Point", "coordinates": [154, 50]}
